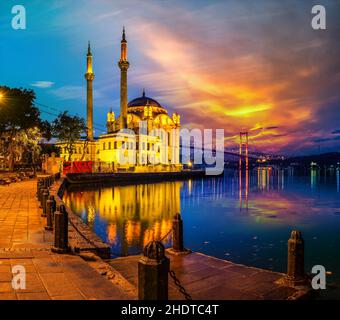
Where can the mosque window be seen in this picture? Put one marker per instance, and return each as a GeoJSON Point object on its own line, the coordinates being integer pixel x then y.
{"type": "Point", "coordinates": [109, 145]}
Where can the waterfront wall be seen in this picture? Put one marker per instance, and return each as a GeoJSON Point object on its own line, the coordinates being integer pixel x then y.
{"type": "Point", "coordinates": [81, 236]}
{"type": "Point", "coordinates": [132, 178]}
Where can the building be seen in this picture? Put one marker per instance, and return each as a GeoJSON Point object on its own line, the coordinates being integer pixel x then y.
{"type": "Point", "coordinates": [142, 138]}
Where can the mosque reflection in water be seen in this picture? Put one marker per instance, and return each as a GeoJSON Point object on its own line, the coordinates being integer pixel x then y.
{"type": "Point", "coordinates": [128, 217]}
{"type": "Point", "coordinates": [222, 210]}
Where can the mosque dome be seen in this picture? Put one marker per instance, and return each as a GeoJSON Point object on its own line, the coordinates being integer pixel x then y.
{"type": "Point", "coordinates": [137, 105]}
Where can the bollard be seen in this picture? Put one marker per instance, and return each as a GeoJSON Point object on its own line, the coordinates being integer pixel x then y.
{"type": "Point", "coordinates": [177, 233]}
{"type": "Point", "coordinates": [45, 195]}
{"type": "Point", "coordinates": [295, 269]}
{"type": "Point", "coordinates": [153, 268]}
{"type": "Point", "coordinates": [50, 209]}
{"type": "Point", "coordinates": [61, 231]}
{"type": "Point", "coordinates": [39, 187]}
{"type": "Point", "coordinates": [42, 190]}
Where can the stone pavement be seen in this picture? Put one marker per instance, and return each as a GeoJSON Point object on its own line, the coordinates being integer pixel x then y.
{"type": "Point", "coordinates": [24, 241]}
{"type": "Point", "coordinates": [209, 278]}
{"type": "Point", "coordinates": [21, 224]}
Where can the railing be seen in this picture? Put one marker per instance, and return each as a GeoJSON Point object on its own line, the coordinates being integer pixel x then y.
{"type": "Point", "coordinates": [154, 266]}
{"type": "Point", "coordinates": [56, 217]}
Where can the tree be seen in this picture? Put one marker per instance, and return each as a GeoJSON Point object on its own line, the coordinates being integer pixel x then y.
{"type": "Point", "coordinates": [19, 118]}
{"type": "Point", "coordinates": [68, 130]}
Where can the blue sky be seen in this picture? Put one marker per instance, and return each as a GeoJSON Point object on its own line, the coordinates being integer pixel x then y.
{"type": "Point", "coordinates": [237, 65]}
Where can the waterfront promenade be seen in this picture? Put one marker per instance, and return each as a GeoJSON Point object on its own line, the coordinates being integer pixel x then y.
{"type": "Point", "coordinates": [208, 278]}
{"type": "Point", "coordinates": [24, 241]}
{"type": "Point", "coordinates": [83, 275]}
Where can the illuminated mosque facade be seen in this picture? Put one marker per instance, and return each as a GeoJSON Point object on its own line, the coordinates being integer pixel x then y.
{"type": "Point", "coordinates": [142, 138]}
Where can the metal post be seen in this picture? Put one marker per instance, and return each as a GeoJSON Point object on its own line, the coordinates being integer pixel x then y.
{"type": "Point", "coordinates": [50, 209]}
{"type": "Point", "coordinates": [177, 233]}
{"type": "Point", "coordinates": [61, 231]}
{"type": "Point", "coordinates": [45, 195]}
{"type": "Point", "coordinates": [153, 268]}
{"type": "Point", "coordinates": [295, 269]}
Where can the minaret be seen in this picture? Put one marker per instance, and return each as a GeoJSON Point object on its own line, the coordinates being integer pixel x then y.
{"type": "Point", "coordinates": [89, 76]}
{"type": "Point", "coordinates": [124, 66]}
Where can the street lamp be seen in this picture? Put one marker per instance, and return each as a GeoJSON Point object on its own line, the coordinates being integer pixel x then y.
{"type": "Point", "coordinates": [1, 96]}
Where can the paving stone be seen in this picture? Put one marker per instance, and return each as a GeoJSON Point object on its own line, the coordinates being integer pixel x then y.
{"type": "Point", "coordinates": [6, 287]}
{"type": "Point", "coordinates": [8, 296]}
{"type": "Point", "coordinates": [33, 296]}
{"type": "Point", "coordinates": [57, 284]}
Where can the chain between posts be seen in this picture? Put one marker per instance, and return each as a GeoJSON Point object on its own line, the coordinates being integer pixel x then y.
{"type": "Point", "coordinates": [181, 289]}
{"type": "Point", "coordinates": [172, 274]}
{"type": "Point", "coordinates": [166, 235]}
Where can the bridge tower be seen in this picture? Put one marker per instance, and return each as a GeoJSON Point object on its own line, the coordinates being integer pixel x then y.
{"type": "Point", "coordinates": [243, 149]}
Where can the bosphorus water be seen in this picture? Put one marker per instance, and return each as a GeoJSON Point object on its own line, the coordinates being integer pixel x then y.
{"type": "Point", "coordinates": [243, 217]}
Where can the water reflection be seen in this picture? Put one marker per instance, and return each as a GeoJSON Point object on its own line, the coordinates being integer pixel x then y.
{"type": "Point", "coordinates": [243, 188]}
{"type": "Point", "coordinates": [128, 217]}
{"type": "Point", "coordinates": [313, 178]}
{"type": "Point", "coordinates": [244, 216]}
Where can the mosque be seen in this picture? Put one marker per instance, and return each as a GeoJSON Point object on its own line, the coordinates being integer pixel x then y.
{"type": "Point", "coordinates": [143, 138]}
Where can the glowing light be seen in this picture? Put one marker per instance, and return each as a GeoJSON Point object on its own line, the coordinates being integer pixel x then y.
{"type": "Point", "coordinates": [244, 111]}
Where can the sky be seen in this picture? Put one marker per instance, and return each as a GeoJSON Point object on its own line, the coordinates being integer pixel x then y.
{"type": "Point", "coordinates": [254, 66]}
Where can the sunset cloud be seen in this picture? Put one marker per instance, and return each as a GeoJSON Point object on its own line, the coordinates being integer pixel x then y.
{"type": "Point", "coordinates": [236, 65]}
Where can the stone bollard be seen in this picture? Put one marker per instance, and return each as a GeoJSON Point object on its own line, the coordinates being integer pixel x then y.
{"type": "Point", "coordinates": [44, 199]}
{"type": "Point", "coordinates": [40, 196]}
{"type": "Point", "coordinates": [61, 231]}
{"type": "Point", "coordinates": [153, 268]}
{"type": "Point", "coordinates": [177, 233]}
{"type": "Point", "coordinates": [295, 269]}
{"type": "Point", "coordinates": [50, 209]}
{"type": "Point", "coordinates": [40, 190]}
{"type": "Point", "coordinates": [39, 187]}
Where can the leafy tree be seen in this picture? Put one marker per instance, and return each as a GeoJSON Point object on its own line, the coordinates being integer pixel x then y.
{"type": "Point", "coordinates": [68, 130]}
{"type": "Point", "coordinates": [18, 119]}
